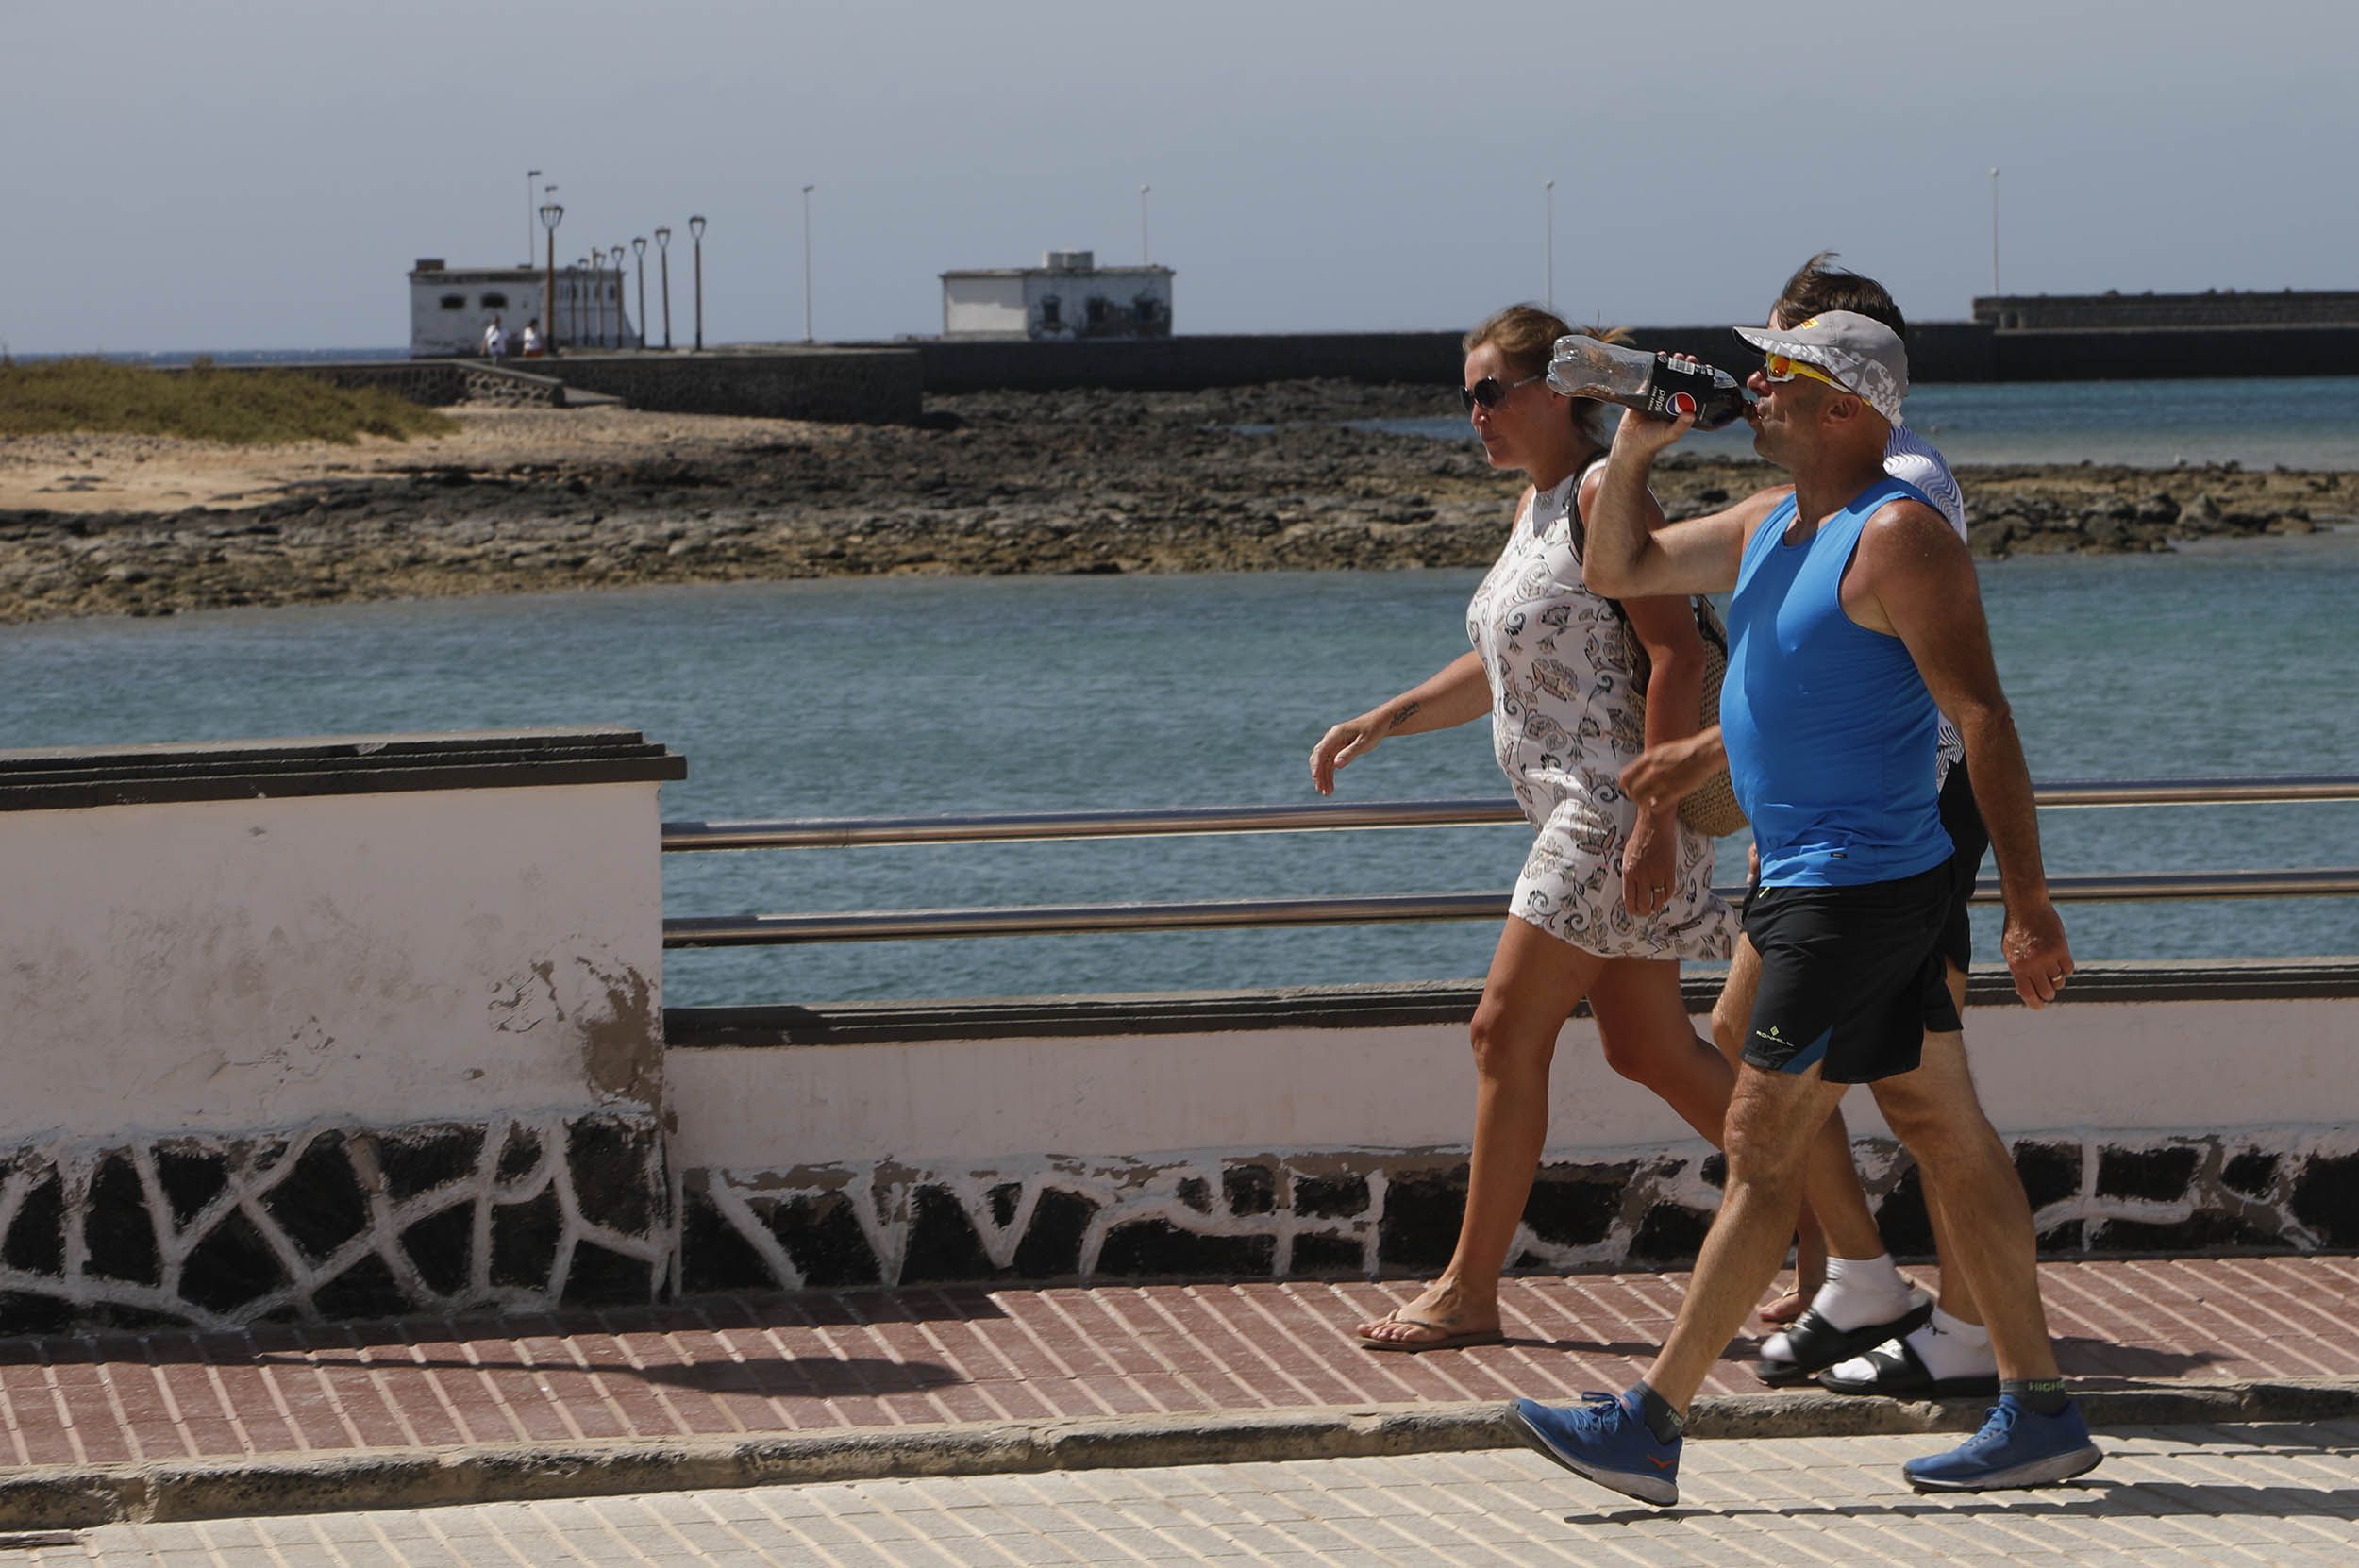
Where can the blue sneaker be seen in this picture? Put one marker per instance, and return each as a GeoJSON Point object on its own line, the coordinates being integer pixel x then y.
{"type": "Point", "coordinates": [2014, 1448]}
{"type": "Point", "coordinates": [1606, 1440]}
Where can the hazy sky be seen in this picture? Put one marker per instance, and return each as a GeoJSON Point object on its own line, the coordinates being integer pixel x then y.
{"type": "Point", "coordinates": [259, 173]}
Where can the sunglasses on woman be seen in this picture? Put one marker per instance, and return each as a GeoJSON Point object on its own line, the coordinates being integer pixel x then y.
{"type": "Point", "coordinates": [1784, 367]}
{"type": "Point", "coordinates": [1491, 391]}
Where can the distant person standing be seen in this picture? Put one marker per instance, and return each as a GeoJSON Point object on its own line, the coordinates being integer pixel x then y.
{"type": "Point", "coordinates": [532, 338]}
{"type": "Point", "coordinates": [495, 340]}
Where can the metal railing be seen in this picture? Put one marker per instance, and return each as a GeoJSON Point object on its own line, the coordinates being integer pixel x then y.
{"type": "Point", "coordinates": [1039, 827]}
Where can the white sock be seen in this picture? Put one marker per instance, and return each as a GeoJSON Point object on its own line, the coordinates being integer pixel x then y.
{"type": "Point", "coordinates": [1858, 1291]}
{"type": "Point", "coordinates": [1952, 1347]}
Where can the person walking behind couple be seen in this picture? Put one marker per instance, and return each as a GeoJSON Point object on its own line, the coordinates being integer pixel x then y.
{"type": "Point", "coordinates": [1611, 896]}
{"type": "Point", "coordinates": [1856, 624]}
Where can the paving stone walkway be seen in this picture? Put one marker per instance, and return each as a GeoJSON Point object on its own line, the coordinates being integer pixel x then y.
{"type": "Point", "coordinates": [973, 1355]}
{"type": "Point", "coordinates": [2209, 1496]}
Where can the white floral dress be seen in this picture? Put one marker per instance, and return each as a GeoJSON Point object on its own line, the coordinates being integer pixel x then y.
{"type": "Point", "coordinates": [1564, 727]}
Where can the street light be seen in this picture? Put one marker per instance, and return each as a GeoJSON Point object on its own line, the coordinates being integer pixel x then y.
{"type": "Point", "coordinates": [807, 190]}
{"type": "Point", "coordinates": [1549, 188]}
{"type": "Point", "coordinates": [551, 215]}
{"type": "Point", "coordinates": [697, 231]}
{"type": "Point", "coordinates": [617, 258]}
{"type": "Point", "coordinates": [530, 175]}
{"type": "Point", "coordinates": [639, 251]}
{"type": "Point", "coordinates": [1994, 231]}
{"type": "Point", "coordinates": [1147, 256]}
{"type": "Point", "coordinates": [663, 269]}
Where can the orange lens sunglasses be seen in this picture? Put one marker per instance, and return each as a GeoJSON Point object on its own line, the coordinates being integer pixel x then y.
{"type": "Point", "coordinates": [1784, 367]}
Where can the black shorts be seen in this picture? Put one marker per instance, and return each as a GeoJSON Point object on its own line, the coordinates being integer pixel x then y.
{"type": "Point", "coordinates": [1851, 978]}
{"type": "Point", "coordinates": [1963, 822]}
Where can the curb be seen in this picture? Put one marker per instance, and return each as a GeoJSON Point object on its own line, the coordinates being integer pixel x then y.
{"type": "Point", "coordinates": [69, 1498]}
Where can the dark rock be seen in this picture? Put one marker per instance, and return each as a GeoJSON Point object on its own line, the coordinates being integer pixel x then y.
{"type": "Point", "coordinates": [366, 1289]}
{"type": "Point", "coordinates": [21, 1312]}
{"type": "Point", "coordinates": [116, 1229]}
{"type": "Point", "coordinates": [1670, 1233]}
{"type": "Point", "coordinates": [823, 1239]}
{"type": "Point", "coordinates": [192, 1177]}
{"type": "Point", "coordinates": [2064, 1240]}
{"type": "Point", "coordinates": [523, 1241]}
{"type": "Point", "coordinates": [1005, 1198]}
{"type": "Point", "coordinates": [1714, 1170]}
{"type": "Point", "coordinates": [1901, 1219]}
{"type": "Point", "coordinates": [35, 1243]}
{"type": "Point", "coordinates": [231, 1266]}
{"type": "Point", "coordinates": [441, 1248]}
{"type": "Point", "coordinates": [1250, 1189]}
{"type": "Point", "coordinates": [2206, 1231]}
{"type": "Point", "coordinates": [2050, 1171]}
{"type": "Point", "coordinates": [422, 1159]}
{"type": "Point", "coordinates": [616, 1172]}
{"type": "Point", "coordinates": [1153, 1248]}
{"type": "Point", "coordinates": [2158, 1174]}
{"type": "Point", "coordinates": [320, 1204]}
{"type": "Point", "coordinates": [1316, 1253]}
{"type": "Point", "coordinates": [601, 1277]}
{"type": "Point", "coordinates": [943, 1244]}
{"type": "Point", "coordinates": [2252, 1173]}
{"type": "Point", "coordinates": [1051, 1249]}
{"type": "Point", "coordinates": [2326, 1199]}
{"type": "Point", "coordinates": [520, 1154]}
{"type": "Point", "coordinates": [1419, 1226]}
{"type": "Point", "coordinates": [1576, 1206]}
{"type": "Point", "coordinates": [1333, 1197]}
{"type": "Point", "coordinates": [713, 1256]}
{"type": "Point", "coordinates": [2161, 507]}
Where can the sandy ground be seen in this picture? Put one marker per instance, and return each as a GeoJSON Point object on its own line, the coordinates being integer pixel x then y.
{"type": "Point", "coordinates": [82, 474]}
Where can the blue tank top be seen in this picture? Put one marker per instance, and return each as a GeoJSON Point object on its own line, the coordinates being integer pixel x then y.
{"type": "Point", "coordinates": [1828, 728]}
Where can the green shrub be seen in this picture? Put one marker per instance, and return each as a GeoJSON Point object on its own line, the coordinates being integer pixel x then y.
{"type": "Point", "coordinates": [243, 407]}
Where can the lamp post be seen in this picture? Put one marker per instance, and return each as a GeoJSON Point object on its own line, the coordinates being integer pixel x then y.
{"type": "Point", "coordinates": [807, 190]}
{"type": "Point", "coordinates": [615, 254]}
{"type": "Point", "coordinates": [1548, 189]}
{"type": "Point", "coordinates": [1994, 231]}
{"type": "Point", "coordinates": [639, 253]}
{"type": "Point", "coordinates": [581, 298]}
{"type": "Point", "coordinates": [551, 215]}
{"type": "Point", "coordinates": [696, 232]}
{"type": "Point", "coordinates": [1147, 255]}
{"type": "Point", "coordinates": [530, 175]}
{"type": "Point", "coordinates": [663, 270]}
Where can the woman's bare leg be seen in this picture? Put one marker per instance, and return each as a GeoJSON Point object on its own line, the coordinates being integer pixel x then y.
{"type": "Point", "coordinates": [1534, 982]}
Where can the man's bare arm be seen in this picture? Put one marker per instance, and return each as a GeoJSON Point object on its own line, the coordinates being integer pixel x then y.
{"type": "Point", "coordinates": [1626, 559]}
{"type": "Point", "coordinates": [1914, 573]}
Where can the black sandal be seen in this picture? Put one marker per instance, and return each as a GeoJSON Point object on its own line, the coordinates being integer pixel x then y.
{"type": "Point", "coordinates": [1819, 1345]}
{"type": "Point", "coordinates": [1899, 1372]}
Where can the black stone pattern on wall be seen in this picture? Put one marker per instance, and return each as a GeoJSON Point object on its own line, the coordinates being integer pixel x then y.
{"type": "Point", "coordinates": [1390, 1213]}
{"type": "Point", "coordinates": [334, 1223]}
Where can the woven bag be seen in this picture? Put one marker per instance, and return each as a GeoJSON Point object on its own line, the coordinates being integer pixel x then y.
{"type": "Point", "coordinates": [1710, 808]}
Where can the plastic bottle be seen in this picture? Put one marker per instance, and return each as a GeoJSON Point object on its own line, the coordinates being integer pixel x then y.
{"type": "Point", "coordinates": [1652, 383]}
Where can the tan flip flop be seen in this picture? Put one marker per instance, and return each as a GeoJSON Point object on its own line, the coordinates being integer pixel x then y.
{"type": "Point", "coordinates": [1450, 1338]}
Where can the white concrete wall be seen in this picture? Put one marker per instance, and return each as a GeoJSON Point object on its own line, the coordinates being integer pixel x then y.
{"type": "Point", "coordinates": [435, 332]}
{"type": "Point", "coordinates": [370, 959]}
{"type": "Point", "coordinates": [2127, 1068]}
{"type": "Point", "coordinates": [1073, 291]}
{"type": "Point", "coordinates": [982, 307]}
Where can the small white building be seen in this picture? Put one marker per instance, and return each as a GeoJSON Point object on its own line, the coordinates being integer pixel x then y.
{"type": "Point", "coordinates": [1067, 297]}
{"type": "Point", "coordinates": [449, 308]}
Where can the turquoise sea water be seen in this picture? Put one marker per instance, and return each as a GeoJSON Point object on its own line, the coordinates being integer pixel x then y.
{"type": "Point", "coordinates": [923, 696]}
{"type": "Point", "coordinates": [2301, 422]}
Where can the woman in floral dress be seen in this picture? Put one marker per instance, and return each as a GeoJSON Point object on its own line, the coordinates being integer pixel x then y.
{"type": "Point", "coordinates": [1612, 896]}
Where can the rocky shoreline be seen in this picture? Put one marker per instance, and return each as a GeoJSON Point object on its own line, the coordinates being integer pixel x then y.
{"type": "Point", "coordinates": [1254, 478]}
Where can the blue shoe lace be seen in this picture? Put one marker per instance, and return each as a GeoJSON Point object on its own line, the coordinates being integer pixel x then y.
{"type": "Point", "coordinates": [1998, 1426]}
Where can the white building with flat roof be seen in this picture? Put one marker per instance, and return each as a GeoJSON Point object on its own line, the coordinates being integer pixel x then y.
{"type": "Point", "coordinates": [1067, 298]}
{"type": "Point", "coordinates": [449, 308]}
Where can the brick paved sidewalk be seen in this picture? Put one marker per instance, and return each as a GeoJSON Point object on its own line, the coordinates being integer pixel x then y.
{"type": "Point", "coordinates": [829, 1363]}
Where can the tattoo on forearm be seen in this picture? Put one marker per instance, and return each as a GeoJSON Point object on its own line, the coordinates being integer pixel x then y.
{"type": "Point", "coordinates": [1402, 714]}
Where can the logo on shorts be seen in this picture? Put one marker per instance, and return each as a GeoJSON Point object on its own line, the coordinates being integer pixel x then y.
{"type": "Point", "coordinates": [1772, 1035]}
